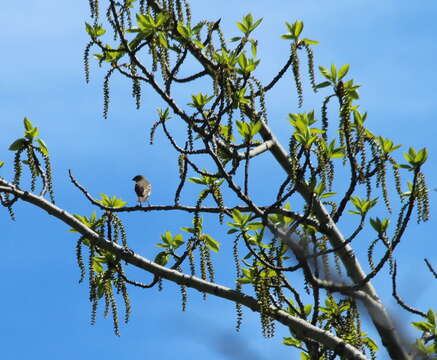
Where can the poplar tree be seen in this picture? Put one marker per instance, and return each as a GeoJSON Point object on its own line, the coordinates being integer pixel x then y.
{"type": "Point", "coordinates": [154, 44]}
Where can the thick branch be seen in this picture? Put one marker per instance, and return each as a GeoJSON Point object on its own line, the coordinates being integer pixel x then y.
{"type": "Point", "coordinates": [256, 151]}
{"type": "Point", "coordinates": [300, 327]}
{"type": "Point", "coordinates": [380, 318]}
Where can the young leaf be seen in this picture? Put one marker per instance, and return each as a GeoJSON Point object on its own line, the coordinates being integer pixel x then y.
{"type": "Point", "coordinates": [18, 144]}
{"type": "Point", "coordinates": [43, 147]}
{"type": "Point", "coordinates": [27, 124]}
{"type": "Point", "coordinates": [333, 72]}
{"type": "Point", "coordinates": [290, 341]}
{"type": "Point", "coordinates": [97, 266]}
{"type": "Point", "coordinates": [213, 244]}
{"type": "Point", "coordinates": [343, 71]}
{"type": "Point", "coordinates": [298, 28]}
{"type": "Point", "coordinates": [325, 72]}
{"type": "Point", "coordinates": [178, 240]}
{"type": "Point", "coordinates": [323, 84]}
{"type": "Point", "coordinates": [162, 258]}
{"type": "Point", "coordinates": [31, 134]}
{"type": "Point", "coordinates": [310, 42]}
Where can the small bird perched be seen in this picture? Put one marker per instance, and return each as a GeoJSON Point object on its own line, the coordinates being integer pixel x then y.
{"type": "Point", "coordinates": [142, 188]}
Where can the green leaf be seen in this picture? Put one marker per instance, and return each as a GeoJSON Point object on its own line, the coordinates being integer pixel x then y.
{"type": "Point", "coordinates": [101, 289]}
{"type": "Point", "coordinates": [327, 194]}
{"type": "Point", "coordinates": [253, 48]}
{"type": "Point", "coordinates": [333, 72]}
{"type": "Point", "coordinates": [100, 259]}
{"type": "Point", "coordinates": [1, 163]}
{"type": "Point", "coordinates": [197, 28]}
{"type": "Point", "coordinates": [343, 71]}
{"type": "Point", "coordinates": [200, 100]}
{"type": "Point", "coordinates": [323, 84]}
{"type": "Point", "coordinates": [245, 281]}
{"type": "Point", "coordinates": [247, 25]}
{"type": "Point", "coordinates": [83, 219]}
{"type": "Point", "coordinates": [363, 206]}
{"type": "Point", "coordinates": [27, 124]}
{"type": "Point", "coordinates": [310, 42]}
{"type": "Point", "coordinates": [162, 245]}
{"type": "Point", "coordinates": [143, 21]}
{"type": "Point", "coordinates": [304, 356]}
{"type": "Point", "coordinates": [162, 258]}
{"type": "Point", "coordinates": [404, 166]}
{"type": "Point", "coordinates": [290, 341]}
{"type": "Point", "coordinates": [198, 44]}
{"type": "Point", "coordinates": [375, 224]}
{"type": "Point", "coordinates": [97, 267]}
{"type": "Point", "coordinates": [378, 225]}
{"type": "Point", "coordinates": [118, 203]}
{"type": "Point", "coordinates": [421, 156]}
{"type": "Point", "coordinates": [255, 225]}
{"type": "Point", "coordinates": [162, 39]}
{"type": "Point", "coordinates": [431, 316]}
{"type": "Point", "coordinates": [18, 144]}
{"type": "Point", "coordinates": [113, 202]}
{"type": "Point", "coordinates": [133, 30]}
{"type": "Point", "coordinates": [213, 244]}
{"type": "Point", "coordinates": [416, 159]}
{"type": "Point", "coordinates": [255, 128]}
{"type": "Point", "coordinates": [298, 27]}
{"type": "Point", "coordinates": [370, 343]}
{"type": "Point", "coordinates": [189, 230]}
{"type": "Point", "coordinates": [242, 27]}
{"type": "Point", "coordinates": [183, 31]}
{"type": "Point", "coordinates": [43, 147]}
{"type": "Point", "coordinates": [167, 237]}
{"type": "Point", "coordinates": [307, 309]}
{"type": "Point", "coordinates": [254, 26]}
{"type": "Point", "coordinates": [325, 72]}
{"type": "Point", "coordinates": [94, 31]}
{"type": "Point", "coordinates": [387, 145]}
{"type": "Point", "coordinates": [31, 134]}
{"type": "Point", "coordinates": [89, 29]}
{"type": "Point", "coordinates": [422, 326]}
{"type": "Point", "coordinates": [197, 181]}
{"type": "Point", "coordinates": [178, 240]}
{"type": "Point", "coordinates": [99, 31]}
{"type": "Point", "coordinates": [237, 216]}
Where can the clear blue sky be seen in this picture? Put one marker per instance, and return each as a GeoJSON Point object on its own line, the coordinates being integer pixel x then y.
{"type": "Point", "coordinates": [391, 48]}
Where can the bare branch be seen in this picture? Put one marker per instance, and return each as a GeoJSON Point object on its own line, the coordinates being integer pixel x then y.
{"type": "Point", "coordinates": [397, 297]}
{"type": "Point", "coordinates": [430, 268]}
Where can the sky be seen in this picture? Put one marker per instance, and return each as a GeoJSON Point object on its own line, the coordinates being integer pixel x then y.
{"type": "Point", "coordinates": [391, 49]}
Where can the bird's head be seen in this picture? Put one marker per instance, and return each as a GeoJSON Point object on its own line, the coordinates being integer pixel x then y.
{"type": "Point", "coordinates": [138, 178]}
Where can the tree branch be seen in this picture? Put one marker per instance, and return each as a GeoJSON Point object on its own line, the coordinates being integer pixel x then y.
{"type": "Point", "coordinates": [380, 318]}
{"type": "Point", "coordinates": [300, 327]}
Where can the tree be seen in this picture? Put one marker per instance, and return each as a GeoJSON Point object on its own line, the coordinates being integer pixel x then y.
{"type": "Point", "coordinates": [265, 233]}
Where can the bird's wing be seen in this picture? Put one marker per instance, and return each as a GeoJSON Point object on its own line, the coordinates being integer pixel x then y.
{"type": "Point", "coordinates": [140, 190]}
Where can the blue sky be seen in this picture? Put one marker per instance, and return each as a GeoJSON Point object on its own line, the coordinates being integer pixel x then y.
{"type": "Point", "coordinates": [391, 48]}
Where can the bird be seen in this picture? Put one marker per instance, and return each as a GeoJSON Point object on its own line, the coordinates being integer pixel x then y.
{"type": "Point", "coordinates": [143, 188]}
